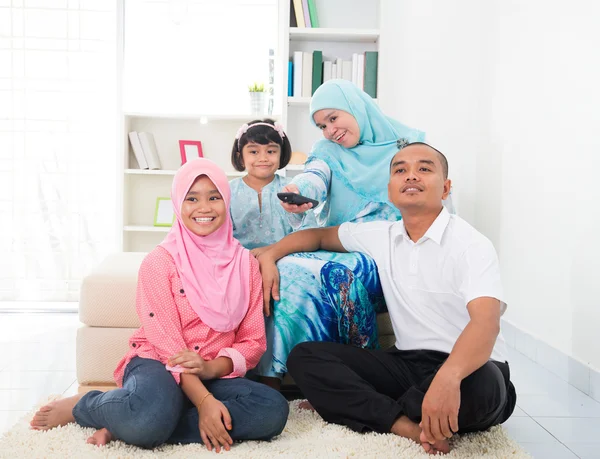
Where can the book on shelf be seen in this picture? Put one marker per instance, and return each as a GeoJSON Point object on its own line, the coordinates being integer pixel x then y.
{"type": "Point", "coordinates": [293, 21]}
{"type": "Point", "coordinates": [150, 150]}
{"type": "Point", "coordinates": [306, 14]}
{"type": "Point", "coordinates": [317, 70]}
{"type": "Point", "coordinates": [138, 151]}
{"type": "Point", "coordinates": [303, 14]}
{"type": "Point", "coordinates": [312, 10]}
{"type": "Point", "coordinates": [299, 13]}
{"type": "Point", "coordinates": [370, 73]}
{"type": "Point", "coordinates": [290, 79]}
{"type": "Point", "coordinates": [327, 71]}
{"type": "Point", "coordinates": [307, 70]}
{"type": "Point", "coordinates": [298, 73]}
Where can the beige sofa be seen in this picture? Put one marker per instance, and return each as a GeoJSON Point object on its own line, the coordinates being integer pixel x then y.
{"type": "Point", "coordinates": [107, 310]}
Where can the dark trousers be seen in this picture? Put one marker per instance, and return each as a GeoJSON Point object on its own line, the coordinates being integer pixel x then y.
{"type": "Point", "coordinates": [368, 389]}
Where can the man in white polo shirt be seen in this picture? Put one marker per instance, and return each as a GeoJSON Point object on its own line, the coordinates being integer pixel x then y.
{"type": "Point", "coordinates": [447, 372]}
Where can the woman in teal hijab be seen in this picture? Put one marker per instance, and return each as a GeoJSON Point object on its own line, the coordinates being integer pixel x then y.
{"type": "Point", "coordinates": [328, 296]}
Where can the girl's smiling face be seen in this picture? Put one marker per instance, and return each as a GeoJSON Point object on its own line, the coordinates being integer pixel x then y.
{"type": "Point", "coordinates": [261, 161]}
{"type": "Point", "coordinates": [338, 126]}
{"type": "Point", "coordinates": [203, 210]}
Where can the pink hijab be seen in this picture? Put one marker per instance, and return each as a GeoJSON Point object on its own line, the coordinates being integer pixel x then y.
{"type": "Point", "coordinates": [214, 269]}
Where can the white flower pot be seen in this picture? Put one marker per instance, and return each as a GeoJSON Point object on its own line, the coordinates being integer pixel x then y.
{"type": "Point", "coordinates": [257, 103]}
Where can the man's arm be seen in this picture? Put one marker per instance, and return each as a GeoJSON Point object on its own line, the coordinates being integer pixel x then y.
{"type": "Point", "coordinates": [471, 351]}
{"type": "Point", "coordinates": [308, 240]}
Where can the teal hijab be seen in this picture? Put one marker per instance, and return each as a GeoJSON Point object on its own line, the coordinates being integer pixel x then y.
{"type": "Point", "coordinates": [363, 169]}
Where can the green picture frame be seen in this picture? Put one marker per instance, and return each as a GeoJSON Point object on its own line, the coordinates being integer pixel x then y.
{"type": "Point", "coordinates": [164, 216]}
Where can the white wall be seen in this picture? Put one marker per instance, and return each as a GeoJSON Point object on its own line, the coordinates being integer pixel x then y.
{"type": "Point", "coordinates": [509, 90]}
{"type": "Point", "coordinates": [545, 107]}
{"type": "Point", "coordinates": [431, 76]}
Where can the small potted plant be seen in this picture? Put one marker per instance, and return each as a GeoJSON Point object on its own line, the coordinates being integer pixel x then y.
{"type": "Point", "coordinates": [257, 98]}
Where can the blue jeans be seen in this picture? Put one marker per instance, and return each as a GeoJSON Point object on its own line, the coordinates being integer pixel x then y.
{"type": "Point", "coordinates": [151, 409]}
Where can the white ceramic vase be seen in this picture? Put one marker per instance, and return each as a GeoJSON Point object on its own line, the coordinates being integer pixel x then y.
{"type": "Point", "coordinates": [257, 103]}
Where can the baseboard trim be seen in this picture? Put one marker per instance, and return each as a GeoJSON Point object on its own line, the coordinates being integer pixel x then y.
{"type": "Point", "coordinates": [580, 375]}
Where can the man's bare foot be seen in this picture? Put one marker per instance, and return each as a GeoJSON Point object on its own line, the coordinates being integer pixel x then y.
{"type": "Point", "coordinates": [404, 427]}
{"type": "Point", "coordinates": [305, 405]}
{"type": "Point", "coordinates": [100, 438]}
{"type": "Point", "coordinates": [54, 414]}
{"type": "Point", "coordinates": [439, 447]}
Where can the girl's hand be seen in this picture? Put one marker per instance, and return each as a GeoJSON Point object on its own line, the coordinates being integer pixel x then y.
{"type": "Point", "coordinates": [192, 363]}
{"type": "Point", "coordinates": [293, 208]}
{"type": "Point", "coordinates": [214, 423]}
{"type": "Point", "coordinates": [270, 277]}
{"type": "Point", "coordinates": [257, 252]}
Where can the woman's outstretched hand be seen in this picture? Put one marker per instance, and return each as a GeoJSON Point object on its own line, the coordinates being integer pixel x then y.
{"type": "Point", "coordinates": [293, 208]}
{"type": "Point", "coordinates": [270, 277]}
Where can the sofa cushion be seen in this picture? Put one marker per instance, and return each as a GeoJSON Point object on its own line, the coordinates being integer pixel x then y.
{"type": "Point", "coordinates": [99, 350]}
{"type": "Point", "coordinates": [108, 293]}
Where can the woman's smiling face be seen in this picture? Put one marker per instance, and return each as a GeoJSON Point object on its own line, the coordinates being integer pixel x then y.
{"type": "Point", "coordinates": [338, 126]}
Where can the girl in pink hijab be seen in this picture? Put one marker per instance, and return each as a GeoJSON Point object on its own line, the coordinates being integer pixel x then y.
{"type": "Point", "coordinates": [199, 300]}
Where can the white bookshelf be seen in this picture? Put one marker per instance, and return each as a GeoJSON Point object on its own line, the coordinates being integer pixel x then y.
{"type": "Point", "coordinates": [346, 27]}
{"type": "Point", "coordinates": [141, 187]}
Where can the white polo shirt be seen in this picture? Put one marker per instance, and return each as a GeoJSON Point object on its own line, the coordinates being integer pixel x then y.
{"type": "Point", "coordinates": [427, 284]}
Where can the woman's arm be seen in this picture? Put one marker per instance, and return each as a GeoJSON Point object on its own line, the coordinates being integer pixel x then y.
{"type": "Point", "coordinates": [313, 183]}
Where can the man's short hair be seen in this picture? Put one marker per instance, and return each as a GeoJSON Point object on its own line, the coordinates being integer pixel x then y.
{"type": "Point", "coordinates": [403, 143]}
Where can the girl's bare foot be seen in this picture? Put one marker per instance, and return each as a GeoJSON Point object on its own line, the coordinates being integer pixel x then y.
{"type": "Point", "coordinates": [439, 447]}
{"type": "Point", "coordinates": [54, 414]}
{"type": "Point", "coordinates": [100, 438]}
{"type": "Point", "coordinates": [305, 405]}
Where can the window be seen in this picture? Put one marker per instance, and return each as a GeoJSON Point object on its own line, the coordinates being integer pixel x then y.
{"type": "Point", "coordinates": [57, 144]}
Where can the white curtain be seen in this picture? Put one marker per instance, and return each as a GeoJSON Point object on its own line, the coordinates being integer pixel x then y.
{"type": "Point", "coordinates": [58, 148]}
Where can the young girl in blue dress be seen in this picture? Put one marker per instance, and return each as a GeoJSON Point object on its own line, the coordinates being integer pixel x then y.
{"type": "Point", "coordinates": [260, 148]}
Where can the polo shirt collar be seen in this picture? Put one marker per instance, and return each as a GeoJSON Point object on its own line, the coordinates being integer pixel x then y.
{"type": "Point", "coordinates": [435, 231]}
{"type": "Point", "coordinates": [437, 228]}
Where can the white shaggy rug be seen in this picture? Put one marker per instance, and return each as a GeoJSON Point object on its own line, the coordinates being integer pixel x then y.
{"type": "Point", "coordinates": [306, 436]}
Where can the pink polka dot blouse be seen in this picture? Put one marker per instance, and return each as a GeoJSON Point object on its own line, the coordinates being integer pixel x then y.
{"type": "Point", "coordinates": [170, 325]}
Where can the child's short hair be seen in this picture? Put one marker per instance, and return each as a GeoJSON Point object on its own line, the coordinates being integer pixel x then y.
{"type": "Point", "coordinates": [262, 135]}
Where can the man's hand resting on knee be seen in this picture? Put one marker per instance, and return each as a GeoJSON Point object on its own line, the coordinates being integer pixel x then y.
{"type": "Point", "coordinates": [439, 415]}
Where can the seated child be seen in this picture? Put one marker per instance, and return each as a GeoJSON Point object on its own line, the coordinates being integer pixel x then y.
{"type": "Point", "coordinates": [199, 299]}
{"type": "Point", "coordinates": [261, 148]}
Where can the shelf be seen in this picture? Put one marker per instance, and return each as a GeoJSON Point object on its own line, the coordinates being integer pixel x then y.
{"type": "Point", "coordinates": [240, 118]}
{"type": "Point", "coordinates": [147, 229]}
{"type": "Point", "coordinates": [339, 35]}
{"type": "Point", "coordinates": [170, 172]}
{"type": "Point", "coordinates": [298, 100]}
{"type": "Point", "coordinates": [301, 101]}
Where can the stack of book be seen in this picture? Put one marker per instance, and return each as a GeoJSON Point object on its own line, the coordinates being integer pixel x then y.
{"type": "Point", "coordinates": [144, 149]}
{"type": "Point", "coordinates": [307, 71]}
{"type": "Point", "coordinates": [303, 13]}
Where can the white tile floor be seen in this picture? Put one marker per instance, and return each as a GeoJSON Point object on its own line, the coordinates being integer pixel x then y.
{"type": "Point", "coordinates": [553, 420]}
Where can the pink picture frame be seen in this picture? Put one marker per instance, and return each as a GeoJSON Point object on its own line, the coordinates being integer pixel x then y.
{"type": "Point", "coordinates": [190, 149]}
